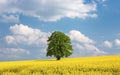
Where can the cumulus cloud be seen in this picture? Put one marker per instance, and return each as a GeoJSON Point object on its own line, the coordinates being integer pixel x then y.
{"type": "Point", "coordinates": [12, 53]}
{"type": "Point", "coordinates": [107, 44]}
{"type": "Point", "coordinates": [41, 9]}
{"type": "Point", "coordinates": [91, 47]}
{"type": "Point", "coordinates": [22, 34]}
{"type": "Point", "coordinates": [79, 37]}
{"type": "Point", "coordinates": [82, 43]}
{"type": "Point", "coordinates": [117, 42]}
{"type": "Point", "coordinates": [25, 37]}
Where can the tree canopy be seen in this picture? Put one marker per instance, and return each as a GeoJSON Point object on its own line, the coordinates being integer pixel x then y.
{"type": "Point", "coordinates": [59, 45]}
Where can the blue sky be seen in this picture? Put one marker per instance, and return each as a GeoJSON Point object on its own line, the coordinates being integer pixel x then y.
{"type": "Point", "coordinates": [92, 25]}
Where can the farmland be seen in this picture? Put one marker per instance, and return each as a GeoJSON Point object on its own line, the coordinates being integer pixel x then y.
{"type": "Point", "coordinates": [99, 65]}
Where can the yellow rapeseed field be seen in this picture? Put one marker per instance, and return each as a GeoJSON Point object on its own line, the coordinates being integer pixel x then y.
{"type": "Point", "coordinates": [99, 65]}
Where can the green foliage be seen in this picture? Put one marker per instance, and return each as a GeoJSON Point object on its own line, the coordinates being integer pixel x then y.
{"type": "Point", "coordinates": [59, 45]}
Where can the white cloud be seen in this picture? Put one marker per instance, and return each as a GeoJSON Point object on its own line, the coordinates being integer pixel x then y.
{"type": "Point", "coordinates": [14, 50]}
{"type": "Point", "coordinates": [79, 37]}
{"type": "Point", "coordinates": [86, 50]}
{"type": "Point", "coordinates": [9, 7]}
{"type": "Point", "coordinates": [117, 42]}
{"type": "Point", "coordinates": [41, 9]}
{"type": "Point", "coordinates": [28, 38]}
{"type": "Point", "coordinates": [22, 34]}
{"type": "Point", "coordinates": [9, 39]}
{"type": "Point", "coordinates": [107, 44]}
{"type": "Point", "coordinates": [10, 18]}
{"type": "Point", "coordinates": [78, 46]}
{"type": "Point", "coordinates": [91, 47]}
{"type": "Point", "coordinates": [12, 53]}
{"type": "Point", "coordinates": [83, 45]}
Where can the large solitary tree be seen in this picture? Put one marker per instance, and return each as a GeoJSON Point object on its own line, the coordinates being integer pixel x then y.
{"type": "Point", "coordinates": [59, 45]}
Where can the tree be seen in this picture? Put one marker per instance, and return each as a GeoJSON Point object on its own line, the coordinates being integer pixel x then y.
{"type": "Point", "coordinates": [59, 45]}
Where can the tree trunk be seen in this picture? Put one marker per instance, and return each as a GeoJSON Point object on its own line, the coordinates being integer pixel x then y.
{"type": "Point", "coordinates": [58, 58]}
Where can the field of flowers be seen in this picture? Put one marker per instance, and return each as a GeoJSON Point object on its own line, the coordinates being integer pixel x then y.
{"type": "Point", "coordinates": [99, 65]}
